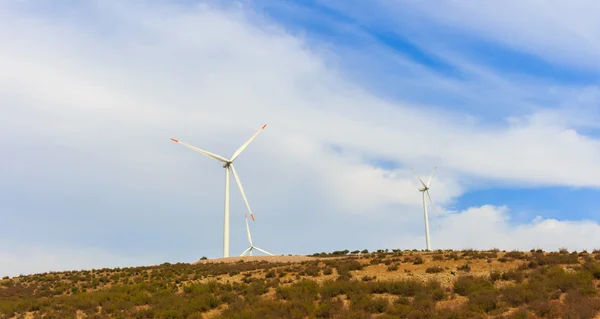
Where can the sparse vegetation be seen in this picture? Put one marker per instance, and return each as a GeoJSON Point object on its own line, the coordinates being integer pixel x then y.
{"type": "Point", "coordinates": [478, 284]}
{"type": "Point", "coordinates": [393, 267]}
{"type": "Point", "coordinates": [466, 267]}
{"type": "Point", "coordinates": [434, 270]}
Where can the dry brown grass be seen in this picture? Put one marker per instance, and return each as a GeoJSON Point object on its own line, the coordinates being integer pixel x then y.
{"type": "Point", "coordinates": [255, 280]}
{"type": "Point", "coordinates": [270, 259]}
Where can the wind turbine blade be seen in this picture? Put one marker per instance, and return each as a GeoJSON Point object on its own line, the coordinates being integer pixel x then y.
{"type": "Point", "coordinates": [428, 195]}
{"type": "Point", "coordinates": [201, 151]}
{"type": "Point", "coordinates": [237, 180]}
{"type": "Point", "coordinates": [430, 177]}
{"type": "Point", "coordinates": [248, 230]}
{"type": "Point", "coordinates": [266, 252]}
{"type": "Point", "coordinates": [243, 147]}
{"type": "Point", "coordinates": [420, 180]}
{"type": "Point", "coordinates": [245, 251]}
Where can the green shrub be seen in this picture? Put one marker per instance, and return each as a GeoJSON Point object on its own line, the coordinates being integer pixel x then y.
{"type": "Point", "coordinates": [495, 275]}
{"type": "Point", "coordinates": [515, 254]}
{"type": "Point", "coordinates": [515, 275]}
{"type": "Point", "coordinates": [368, 304]}
{"type": "Point", "coordinates": [376, 261]}
{"type": "Point", "coordinates": [555, 259]}
{"type": "Point", "coordinates": [345, 267]}
{"type": "Point", "coordinates": [593, 268]}
{"type": "Point", "coordinates": [468, 285]}
{"type": "Point", "coordinates": [485, 300]}
{"type": "Point", "coordinates": [547, 308]}
{"type": "Point", "coordinates": [330, 289]}
{"type": "Point", "coordinates": [483, 296]}
{"type": "Point", "coordinates": [304, 289]}
{"type": "Point", "coordinates": [310, 270]}
{"type": "Point", "coordinates": [328, 308]}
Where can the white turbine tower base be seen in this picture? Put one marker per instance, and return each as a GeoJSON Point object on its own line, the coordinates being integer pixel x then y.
{"type": "Point", "coordinates": [252, 247]}
{"type": "Point", "coordinates": [228, 166]}
{"type": "Point", "coordinates": [425, 189]}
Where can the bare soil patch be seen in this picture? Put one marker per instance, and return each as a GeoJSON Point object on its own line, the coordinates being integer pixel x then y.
{"type": "Point", "coordinates": [271, 259]}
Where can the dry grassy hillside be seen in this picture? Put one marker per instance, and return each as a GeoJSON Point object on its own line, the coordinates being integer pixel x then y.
{"type": "Point", "coordinates": [397, 284]}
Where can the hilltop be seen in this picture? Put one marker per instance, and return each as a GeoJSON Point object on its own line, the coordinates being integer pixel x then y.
{"type": "Point", "coordinates": [396, 284]}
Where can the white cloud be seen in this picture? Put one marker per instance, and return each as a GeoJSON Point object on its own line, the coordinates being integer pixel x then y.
{"type": "Point", "coordinates": [40, 259]}
{"type": "Point", "coordinates": [260, 76]}
{"type": "Point", "coordinates": [93, 112]}
{"type": "Point", "coordinates": [490, 226]}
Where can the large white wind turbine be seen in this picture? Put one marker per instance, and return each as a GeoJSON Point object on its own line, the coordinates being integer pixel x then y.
{"type": "Point", "coordinates": [228, 165]}
{"type": "Point", "coordinates": [252, 247]}
{"type": "Point", "coordinates": [425, 189]}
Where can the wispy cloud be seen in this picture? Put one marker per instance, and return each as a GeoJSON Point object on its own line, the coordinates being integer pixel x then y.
{"type": "Point", "coordinates": [560, 33]}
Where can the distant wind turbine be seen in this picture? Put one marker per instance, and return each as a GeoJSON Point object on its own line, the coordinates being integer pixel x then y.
{"type": "Point", "coordinates": [425, 189]}
{"type": "Point", "coordinates": [228, 166]}
{"type": "Point", "coordinates": [252, 247]}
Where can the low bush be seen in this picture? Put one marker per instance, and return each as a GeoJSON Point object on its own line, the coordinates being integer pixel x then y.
{"type": "Point", "coordinates": [468, 285]}
{"type": "Point", "coordinates": [328, 308]}
{"type": "Point", "coordinates": [495, 275]}
{"type": "Point", "coordinates": [579, 305]}
{"type": "Point", "coordinates": [302, 290]}
{"type": "Point", "coordinates": [368, 278]}
{"type": "Point", "coordinates": [434, 269]}
{"type": "Point", "coordinates": [438, 257]}
{"type": "Point", "coordinates": [366, 303]}
{"type": "Point", "coordinates": [515, 254]}
{"type": "Point", "coordinates": [516, 275]}
{"type": "Point", "coordinates": [392, 267]}
{"type": "Point", "coordinates": [466, 267]}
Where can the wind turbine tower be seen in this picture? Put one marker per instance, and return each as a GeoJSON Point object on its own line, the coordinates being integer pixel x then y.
{"type": "Point", "coordinates": [425, 189]}
{"type": "Point", "coordinates": [228, 166]}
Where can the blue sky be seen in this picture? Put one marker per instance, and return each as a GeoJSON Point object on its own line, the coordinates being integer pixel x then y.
{"type": "Point", "coordinates": [550, 202]}
{"type": "Point", "coordinates": [504, 104]}
{"type": "Point", "coordinates": [322, 23]}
